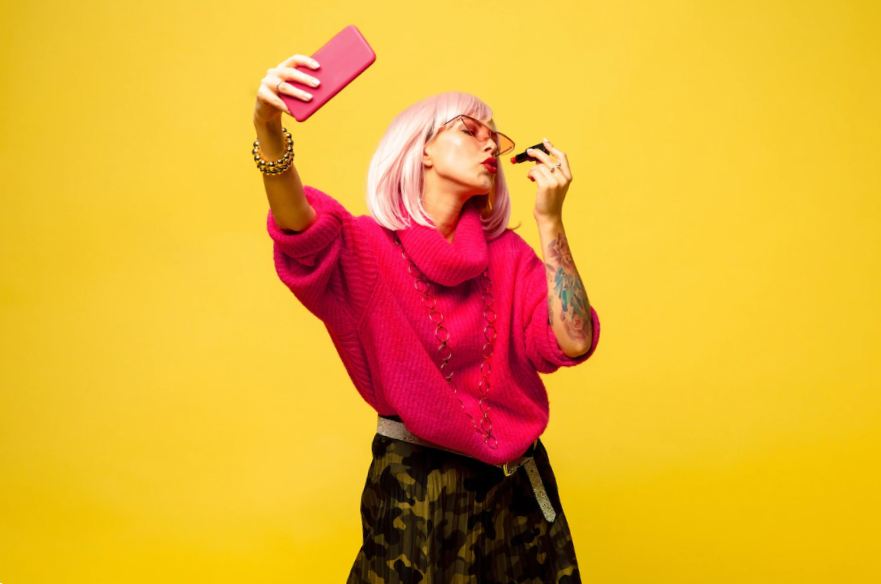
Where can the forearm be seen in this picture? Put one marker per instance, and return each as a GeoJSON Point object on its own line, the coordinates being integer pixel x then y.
{"type": "Point", "coordinates": [284, 191]}
{"type": "Point", "coordinates": [568, 305]}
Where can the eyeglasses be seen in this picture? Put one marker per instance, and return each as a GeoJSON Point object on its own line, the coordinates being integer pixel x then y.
{"type": "Point", "coordinates": [482, 132]}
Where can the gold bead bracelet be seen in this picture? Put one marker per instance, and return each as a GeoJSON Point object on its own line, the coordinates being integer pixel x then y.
{"type": "Point", "coordinates": [280, 165]}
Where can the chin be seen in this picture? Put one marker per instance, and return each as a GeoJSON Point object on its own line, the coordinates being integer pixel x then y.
{"type": "Point", "coordinates": [480, 193]}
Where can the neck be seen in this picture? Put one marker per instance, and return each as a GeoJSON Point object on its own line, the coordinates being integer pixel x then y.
{"type": "Point", "coordinates": [445, 211]}
{"type": "Point", "coordinates": [443, 200]}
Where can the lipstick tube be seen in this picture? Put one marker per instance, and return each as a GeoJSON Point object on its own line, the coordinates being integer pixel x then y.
{"type": "Point", "coordinates": [523, 156]}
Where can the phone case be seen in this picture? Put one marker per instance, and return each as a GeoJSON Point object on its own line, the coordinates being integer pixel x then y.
{"type": "Point", "coordinates": [340, 60]}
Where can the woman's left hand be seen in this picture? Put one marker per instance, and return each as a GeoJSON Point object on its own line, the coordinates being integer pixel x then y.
{"type": "Point", "coordinates": [553, 182]}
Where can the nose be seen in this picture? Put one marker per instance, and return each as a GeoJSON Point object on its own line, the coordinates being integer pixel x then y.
{"type": "Point", "coordinates": [490, 146]}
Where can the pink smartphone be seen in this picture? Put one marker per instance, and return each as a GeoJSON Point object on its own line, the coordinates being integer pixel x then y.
{"type": "Point", "coordinates": [340, 60]}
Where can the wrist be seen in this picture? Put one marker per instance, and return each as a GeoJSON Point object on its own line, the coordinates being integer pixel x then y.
{"type": "Point", "coordinates": [548, 221]}
{"type": "Point", "coordinates": [271, 124]}
{"type": "Point", "coordinates": [272, 139]}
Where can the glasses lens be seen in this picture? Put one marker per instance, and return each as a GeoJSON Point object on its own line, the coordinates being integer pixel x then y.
{"type": "Point", "coordinates": [505, 144]}
{"type": "Point", "coordinates": [483, 132]}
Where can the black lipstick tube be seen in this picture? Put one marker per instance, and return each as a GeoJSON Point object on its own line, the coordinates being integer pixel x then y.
{"type": "Point", "coordinates": [523, 156]}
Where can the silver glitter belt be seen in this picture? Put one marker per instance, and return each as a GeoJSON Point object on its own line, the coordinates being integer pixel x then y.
{"type": "Point", "coordinates": [397, 430]}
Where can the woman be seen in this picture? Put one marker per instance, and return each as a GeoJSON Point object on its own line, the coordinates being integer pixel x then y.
{"type": "Point", "coordinates": [460, 488]}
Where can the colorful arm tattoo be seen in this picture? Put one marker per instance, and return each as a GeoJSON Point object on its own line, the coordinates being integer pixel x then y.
{"type": "Point", "coordinates": [564, 283]}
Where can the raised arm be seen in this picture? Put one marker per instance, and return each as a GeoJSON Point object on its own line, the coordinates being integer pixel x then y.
{"type": "Point", "coordinates": [569, 311]}
{"type": "Point", "coordinates": [568, 305]}
{"type": "Point", "coordinates": [285, 191]}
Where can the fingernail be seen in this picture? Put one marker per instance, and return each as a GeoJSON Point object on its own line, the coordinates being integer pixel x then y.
{"type": "Point", "coordinates": [315, 82]}
{"type": "Point", "coordinates": [308, 96]}
{"type": "Point", "coordinates": [314, 63]}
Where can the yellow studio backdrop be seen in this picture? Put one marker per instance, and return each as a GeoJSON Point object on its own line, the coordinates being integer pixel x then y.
{"type": "Point", "coordinates": [170, 413]}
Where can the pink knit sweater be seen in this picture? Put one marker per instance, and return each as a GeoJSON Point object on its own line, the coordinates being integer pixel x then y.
{"type": "Point", "coordinates": [349, 272]}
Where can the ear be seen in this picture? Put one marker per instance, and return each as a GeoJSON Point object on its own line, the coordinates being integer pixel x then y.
{"type": "Point", "coordinates": [426, 158]}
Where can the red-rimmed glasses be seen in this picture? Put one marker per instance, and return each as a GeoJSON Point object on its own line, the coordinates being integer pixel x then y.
{"type": "Point", "coordinates": [482, 132]}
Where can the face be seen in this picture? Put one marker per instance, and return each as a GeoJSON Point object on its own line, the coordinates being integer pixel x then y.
{"type": "Point", "coordinates": [453, 161]}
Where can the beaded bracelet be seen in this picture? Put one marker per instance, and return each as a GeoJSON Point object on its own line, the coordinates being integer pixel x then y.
{"type": "Point", "coordinates": [280, 165]}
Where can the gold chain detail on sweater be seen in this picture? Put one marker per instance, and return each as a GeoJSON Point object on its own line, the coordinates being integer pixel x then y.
{"type": "Point", "coordinates": [443, 335]}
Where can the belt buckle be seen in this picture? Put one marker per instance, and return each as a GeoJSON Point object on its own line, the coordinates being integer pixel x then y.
{"type": "Point", "coordinates": [510, 468]}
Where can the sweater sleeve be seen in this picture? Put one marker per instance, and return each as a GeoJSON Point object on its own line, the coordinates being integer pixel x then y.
{"type": "Point", "coordinates": [327, 266]}
{"type": "Point", "coordinates": [542, 346]}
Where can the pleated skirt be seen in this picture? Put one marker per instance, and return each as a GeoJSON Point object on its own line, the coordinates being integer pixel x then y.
{"type": "Point", "coordinates": [434, 517]}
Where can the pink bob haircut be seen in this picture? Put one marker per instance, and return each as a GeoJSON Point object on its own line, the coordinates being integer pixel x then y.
{"type": "Point", "coordinates": [395, 179]}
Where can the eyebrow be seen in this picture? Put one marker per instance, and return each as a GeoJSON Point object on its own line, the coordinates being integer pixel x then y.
{"type": "Point", "coordinates": [489, 127]}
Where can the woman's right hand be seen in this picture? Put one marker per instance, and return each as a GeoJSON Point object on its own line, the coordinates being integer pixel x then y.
{"type": "Point", "coordinates": [269, 105]}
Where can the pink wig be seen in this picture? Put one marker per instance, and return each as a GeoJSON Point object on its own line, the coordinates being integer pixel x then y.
{"type": "Point", "coordinates": [395, 178]}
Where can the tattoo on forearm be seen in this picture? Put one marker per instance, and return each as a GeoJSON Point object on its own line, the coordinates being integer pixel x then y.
{"type": "Point", "coordinates": [568, 287]}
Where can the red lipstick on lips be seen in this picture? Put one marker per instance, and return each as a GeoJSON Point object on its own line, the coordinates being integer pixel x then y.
{"type": "Point", "coordinates": [491, 164]}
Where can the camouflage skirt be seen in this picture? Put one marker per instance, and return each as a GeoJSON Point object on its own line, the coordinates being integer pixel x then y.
{"type": "Point", "coordinates": [430, 516]}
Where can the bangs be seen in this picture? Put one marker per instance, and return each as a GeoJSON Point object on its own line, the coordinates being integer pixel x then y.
{"type": "Point", "coordinates": [449, 105]}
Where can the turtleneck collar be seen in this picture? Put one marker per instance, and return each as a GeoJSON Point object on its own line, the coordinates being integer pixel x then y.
{"type": "Point", "coordinates": [448, 264]}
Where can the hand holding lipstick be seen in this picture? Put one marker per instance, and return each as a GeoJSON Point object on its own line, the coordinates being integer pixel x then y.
{"type": "Point", "coordinates": [553, 180]}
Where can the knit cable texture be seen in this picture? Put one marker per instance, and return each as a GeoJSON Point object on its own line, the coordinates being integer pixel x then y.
{"type": "Point", "coordinates": [349, 273]}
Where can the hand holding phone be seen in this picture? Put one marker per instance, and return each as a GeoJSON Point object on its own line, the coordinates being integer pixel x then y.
{"type": "Point", "coordinates": [270, 105]}
{"type": "Point", "coordinates": [294, 86]}
{"type": "Point", "coordinates": [340, 61]}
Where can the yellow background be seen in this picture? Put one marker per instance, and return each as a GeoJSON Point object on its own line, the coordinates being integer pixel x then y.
{"type": "Point", "coordinates": [169, 412]}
